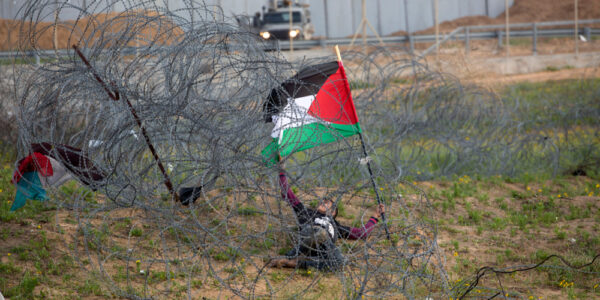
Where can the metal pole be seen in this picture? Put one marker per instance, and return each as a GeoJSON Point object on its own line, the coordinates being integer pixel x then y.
{"type": "Point", "coordinates": [467, 40]}
{"type": "Point", "coordinates": [363, 25]}
{"type": "Point", "coordinates": [588, 34]}
{"type": "Point", "coordinates": [114, 95]}
{"type": "Point", "coordinates": [291, 23]}
{"type": "Point", "coordinates": [379, 16]}
{"type": "Point", "coordinates": [507, 9]}
{"type": "Point", "coordinates": [500, 37]}
{"type": "Point", "coordinates": [56, 29]}
{"type": "Point", "coordinates": [576, 29]}
{"type": "Point", "coordinates": [411, 42]}
{"type": "Point", "coordinates": [362, 142]}
{"type": "Point", "coordinates": [326, 19]}
{"type": "Point", "coordinates": [406, 16]}
{"type": "Point", "coordinates": [437, 30]}
{"type": "Point", "coordinates": [535, 38]}
{"type": "Point", "coordinates": [364, 30]}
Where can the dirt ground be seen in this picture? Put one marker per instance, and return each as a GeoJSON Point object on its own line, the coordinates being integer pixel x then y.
{"type": "Point", "coordinates": [490, 223]}
{"type": "Point", "coordinates": [143, 26]}
{"type": "Point", "coordinates": [491, 226]}
{"type": "Point", "coordinates": [527, 11]}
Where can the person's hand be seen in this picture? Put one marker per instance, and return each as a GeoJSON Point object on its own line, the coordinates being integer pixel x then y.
{"type": "Point", "coordinates": [280, 163]}
{"type": "Point", "coordinates": [380, 211]}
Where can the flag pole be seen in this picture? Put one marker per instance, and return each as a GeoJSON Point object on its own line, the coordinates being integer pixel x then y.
{"type": "Point", "coordinates": [114, 95]}
{"type": "Point", "coordinates": [364, 148]}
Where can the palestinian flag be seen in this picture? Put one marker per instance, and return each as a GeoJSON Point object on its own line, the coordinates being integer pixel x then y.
{"type": "Point", "coordinates": [310, 109]}
{"type": "Point", "coordinates": [51, 165]}
{"type": "Point", "coordinates": [34, 174]}
{"type": "Point", "coordinates": [75, 161]}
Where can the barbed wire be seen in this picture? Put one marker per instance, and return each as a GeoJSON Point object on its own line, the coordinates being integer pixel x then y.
{"type": "Point", "coordinates": [464, 290]}
{"type": "Point", "coordinates": [197, 84]}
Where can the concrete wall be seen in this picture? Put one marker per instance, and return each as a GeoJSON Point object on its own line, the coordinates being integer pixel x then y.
{"type": "Point", "coordinates": [333, 18]}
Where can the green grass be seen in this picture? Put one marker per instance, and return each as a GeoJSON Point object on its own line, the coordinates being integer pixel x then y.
{"type": "Point", "coordinates": [540, 135]}
{"type": "Point", "coordinates": [359, 85]}
{"type": "Point", "coordinates": [24, 61]}
{"type": "Point", "coordinates": [500, 209]}
{"type": "Point", "coordinates": [248, 211]}
{"type": "Point", "coordinates": [520, 41]}
{"type": "Point", "coordinates": [89, 288]}
{"type": "Point", "coordinates": [24, 290]}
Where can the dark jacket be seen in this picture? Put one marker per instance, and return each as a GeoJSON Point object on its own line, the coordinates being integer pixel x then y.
{"type": "Point", "coordinates": [307, 215]}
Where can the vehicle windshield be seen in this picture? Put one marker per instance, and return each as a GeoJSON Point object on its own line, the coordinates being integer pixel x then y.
{"type": "Point", "coordinates": [282, 17]}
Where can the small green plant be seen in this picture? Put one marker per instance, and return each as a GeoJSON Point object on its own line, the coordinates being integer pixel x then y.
{"type": "Point", "coordinates": [24, 289]}
{"type": "Point", "coordinates": [455, 245]}
{"type": "Point", "coordinates": [561, 235]}
{"type": "Point", "coordinates": [501, 203]}
{"type": "Point", "coordinates": [137, 232]}
{"type": "Point", "coordinates": [9, 269]}
{"type": "Point", "coordinates": [483, 197]}
{"type": "Point", "coordinates": [497, 223]}
{"type": "Point", "coordinates": [90, 287]}
{"type": "Point", "coordinates": [248, 211]}
{"type": "Point", "coordinates": [359, 84]}
{"type": "Point", "coordinates": [277, 276]}
{"type": "Point", "coordinates": [226, 255]}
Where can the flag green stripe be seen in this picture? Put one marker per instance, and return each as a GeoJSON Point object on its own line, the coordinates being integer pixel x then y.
{"type": "Point", "coordinates": [308, 136]}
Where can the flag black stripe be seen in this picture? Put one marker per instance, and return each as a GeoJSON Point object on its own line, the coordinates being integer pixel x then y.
{"type": "Point", "coordinates": [307, 82]}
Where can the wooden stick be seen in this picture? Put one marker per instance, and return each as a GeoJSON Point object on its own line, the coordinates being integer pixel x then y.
{"type": "Point", "coordinates": [337, 52]}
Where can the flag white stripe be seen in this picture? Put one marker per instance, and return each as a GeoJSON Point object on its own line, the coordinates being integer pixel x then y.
{"type": "Point", "coordinates": [59, 174]}
{"type": "Point", "coordinates": [294, 114]}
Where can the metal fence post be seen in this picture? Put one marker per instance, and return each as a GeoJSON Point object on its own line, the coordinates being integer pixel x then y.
{"type": "Point", "coordinates": [411, 42]}
{"type": "Point", "coordinates": [500, 35]}
{"type": "Point", "coordinates": [37, 58]}
{"type": "Point", "coordinates": [588, 33]}
{"type": "Point", "coordinates": [535, 37]}
{"type": "Point", "coordinates": [467, 40]}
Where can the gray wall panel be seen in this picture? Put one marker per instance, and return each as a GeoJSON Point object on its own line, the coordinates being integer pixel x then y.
{"type": "Point", "coordinates": [472, 8]}
{"type": "Point", "coordinates": [340, 20]}
{"type": "Point", "coordinates": [420, 14]}
{"type": "Point", "coordinates": [317, 15]}
{"type": "Point", "coordinates": [372, 14]}
{"type": "Point", "coordinates": [344, 16]}
{"type": "Point", "coordinates": [497, 7]}
{"type": "Point", "coordinates": [449, 10]}
{"type": "Point", "coordinates": [392, 17]}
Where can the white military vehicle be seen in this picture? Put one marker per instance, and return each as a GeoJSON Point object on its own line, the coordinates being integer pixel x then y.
{"type": "Point", "coordinates": [275, 22]}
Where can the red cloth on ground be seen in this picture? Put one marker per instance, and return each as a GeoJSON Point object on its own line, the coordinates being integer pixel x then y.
{"type": "Point", "coordinates": [34, 162]}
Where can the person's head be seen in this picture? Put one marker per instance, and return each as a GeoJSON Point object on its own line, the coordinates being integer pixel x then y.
{"type": "Point", "coordinates": [328, 207]}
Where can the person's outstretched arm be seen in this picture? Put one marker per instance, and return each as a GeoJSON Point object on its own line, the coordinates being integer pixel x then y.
{"type": "Point", "coordinates": [355, 233]}
{"type": "Point", "coordinates": [286, 190]}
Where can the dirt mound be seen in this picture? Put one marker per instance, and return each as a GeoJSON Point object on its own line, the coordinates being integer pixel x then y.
{"type": "Point", "coordinates": [135, 28]}
{"type": "Point", "coordinates": [399, 33]}
{"type": "Point", "coordinates": [543, 10]}
{"type": "Point", "coordinates": [527, 11]}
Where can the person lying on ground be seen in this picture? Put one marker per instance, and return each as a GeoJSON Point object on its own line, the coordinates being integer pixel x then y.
{"type": "Point", "coordinates": [318, 231]}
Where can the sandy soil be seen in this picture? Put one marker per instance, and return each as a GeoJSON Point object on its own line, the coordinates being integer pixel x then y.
{"type": "Point", "coordinates": [99, 28]}
{"type": "Point", "coordinates": [466, 245]}
{"type": "Point", "coordinates": [528, 11]}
